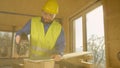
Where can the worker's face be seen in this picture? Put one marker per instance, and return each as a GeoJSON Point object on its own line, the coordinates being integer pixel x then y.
{"type": "Point", "coordinates": [47, 17]}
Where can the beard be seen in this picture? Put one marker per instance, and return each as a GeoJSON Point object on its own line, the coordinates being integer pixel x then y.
{"type": "Point", "coordinates": [44, 20]}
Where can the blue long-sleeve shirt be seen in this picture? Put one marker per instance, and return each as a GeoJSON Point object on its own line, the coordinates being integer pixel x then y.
{"type": "Point", "coordinates": [60, 43]}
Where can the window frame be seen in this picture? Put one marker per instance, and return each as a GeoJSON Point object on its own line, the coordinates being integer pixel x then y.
{"type": "Point", "coordinates": [81, 13]}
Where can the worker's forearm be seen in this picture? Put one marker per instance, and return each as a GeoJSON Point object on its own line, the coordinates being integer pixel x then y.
{"type": "Point", "coordinates": [60, 44]}
{"type": "Point", "coordinates": [25, 29]}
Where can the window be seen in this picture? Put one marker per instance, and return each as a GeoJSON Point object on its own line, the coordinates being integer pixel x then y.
{"type": "Point", "coordinates": [5, 44]}
{"type": "Point", "coordinates": [91, 30]}
{"type": "Point", "coordinates": [78, 35]}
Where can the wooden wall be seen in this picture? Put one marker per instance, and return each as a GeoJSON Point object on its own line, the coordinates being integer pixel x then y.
{"type": "Point", "coordinates": [112, 32]}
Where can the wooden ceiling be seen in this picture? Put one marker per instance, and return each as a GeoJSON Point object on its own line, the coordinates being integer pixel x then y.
{"type": "Point", "coordinates": [17, 12]}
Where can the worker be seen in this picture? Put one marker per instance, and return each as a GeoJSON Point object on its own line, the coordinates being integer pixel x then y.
{"type": "Point", "coordinates": [46, 34]}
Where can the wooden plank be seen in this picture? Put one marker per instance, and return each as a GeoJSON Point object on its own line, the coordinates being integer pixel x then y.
{"type": "Point", "coordinates": [76, 54]}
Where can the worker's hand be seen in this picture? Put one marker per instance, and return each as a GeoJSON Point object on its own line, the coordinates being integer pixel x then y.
{"type": "Point", "coordinates": [56, 57]}
{"type": "Point", "coordinates": [17, 39]}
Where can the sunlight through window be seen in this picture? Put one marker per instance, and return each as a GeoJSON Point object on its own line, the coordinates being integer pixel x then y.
{"type": "Point", "coordinates": [95, 36]}
{"type": "Point", "coordinates": [78, 35]}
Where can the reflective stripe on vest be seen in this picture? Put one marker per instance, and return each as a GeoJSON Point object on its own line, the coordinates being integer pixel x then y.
{"type": "Point", "coordinates": [40, 40]}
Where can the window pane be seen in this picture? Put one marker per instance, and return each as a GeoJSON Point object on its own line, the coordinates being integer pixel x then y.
{"type": "Point", "coordinates": [5, 44]}
{"type": "Point", "coordinates": [78, 35]}
{"type": "Point", "coordinates": [95, 36]}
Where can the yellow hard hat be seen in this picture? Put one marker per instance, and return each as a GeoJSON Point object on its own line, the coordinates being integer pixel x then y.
{"type": "Point", "coordinates": [51, 7]}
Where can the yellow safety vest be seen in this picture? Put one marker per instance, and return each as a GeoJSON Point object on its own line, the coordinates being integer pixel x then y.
{"type": "Point", "coordinates": [42, 43]}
